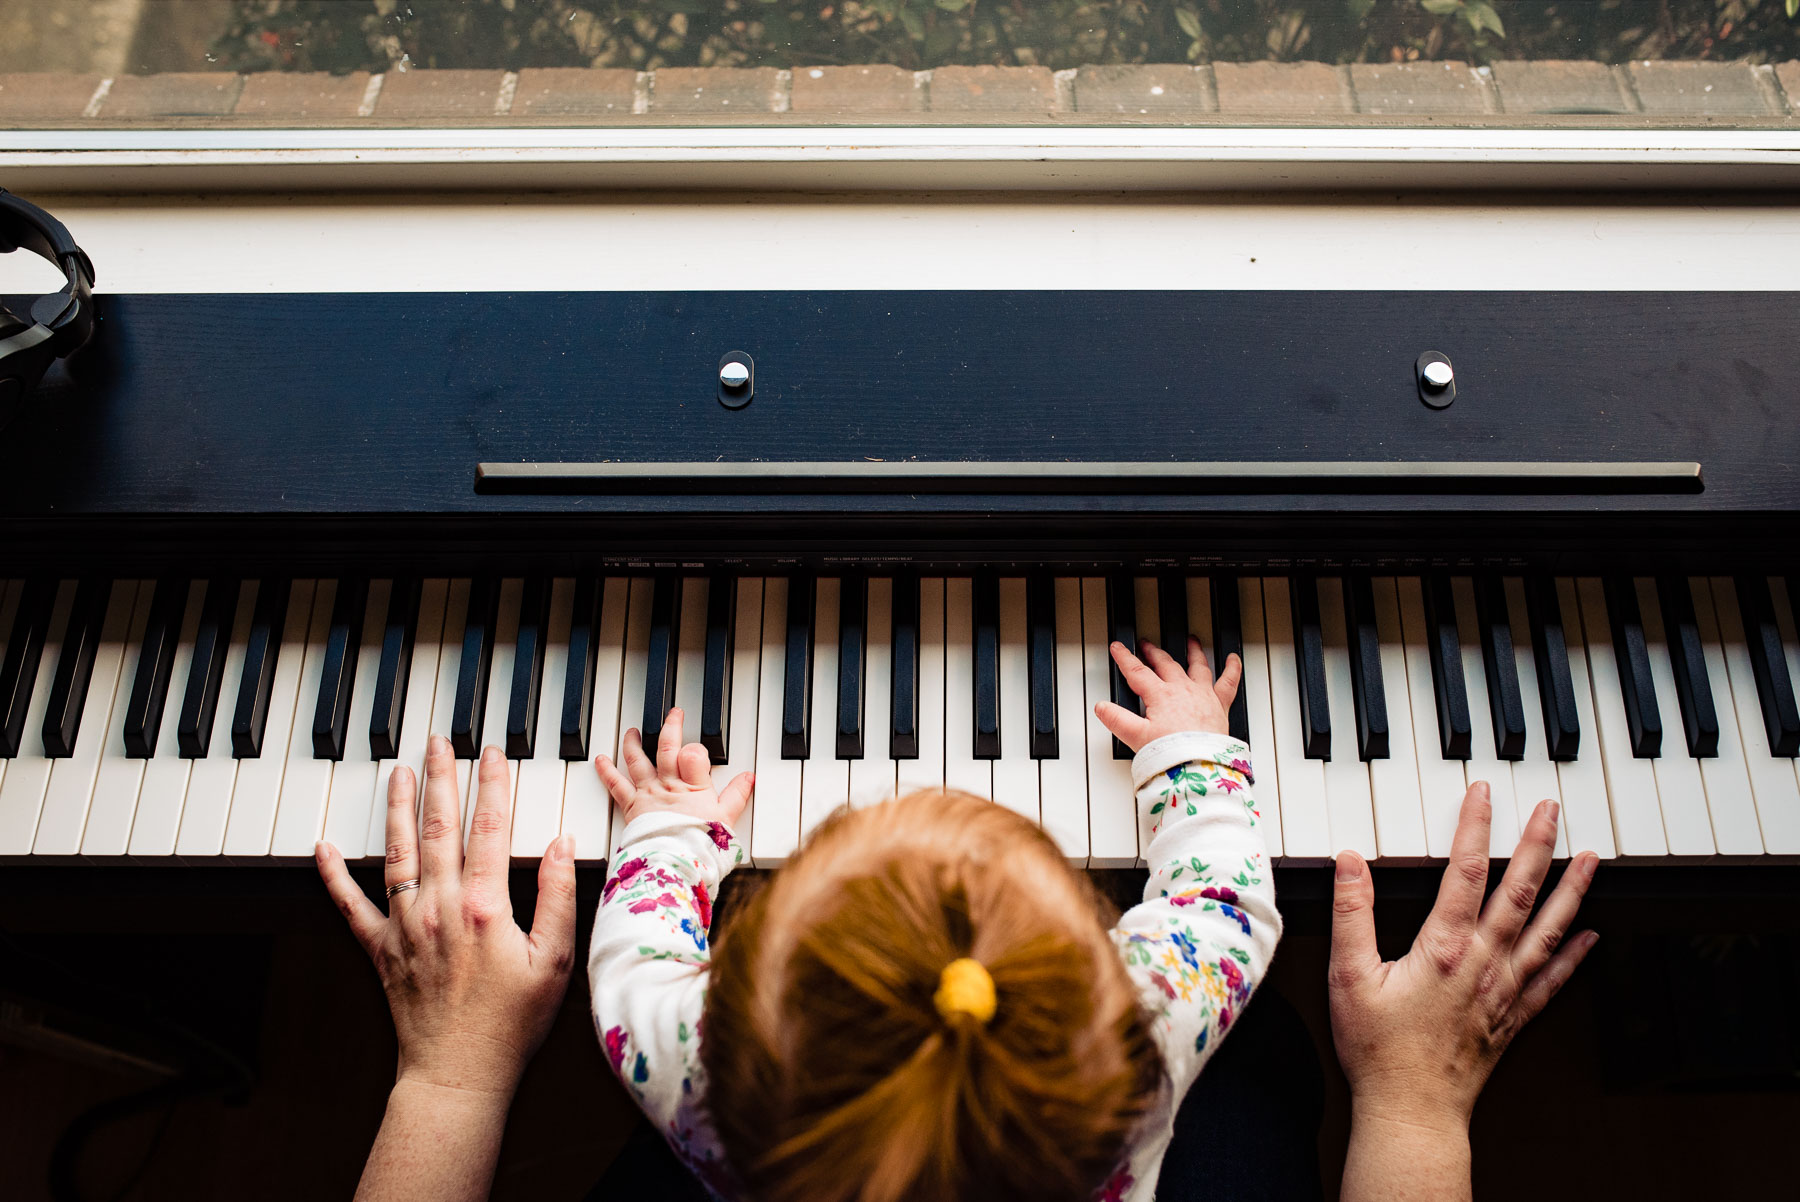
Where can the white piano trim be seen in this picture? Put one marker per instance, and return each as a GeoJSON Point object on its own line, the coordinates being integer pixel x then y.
{"type": "Point", "coordinates": [903, 158]}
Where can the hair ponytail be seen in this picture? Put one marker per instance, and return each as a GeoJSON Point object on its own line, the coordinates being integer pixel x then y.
{"type": "Point", "coordinates": [924, 1005]}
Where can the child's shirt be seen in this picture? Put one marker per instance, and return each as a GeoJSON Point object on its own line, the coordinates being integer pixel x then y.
{"type": "Point", "coordinates": [1196, 946]}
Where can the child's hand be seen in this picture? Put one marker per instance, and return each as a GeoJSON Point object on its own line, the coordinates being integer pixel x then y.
{"type": "Point", "coordinates": [1174, 701]}
{"type": "Point", "coordinates": [680, 781]}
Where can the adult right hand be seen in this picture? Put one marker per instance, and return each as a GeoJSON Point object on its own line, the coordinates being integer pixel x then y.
{"type": "Point", "coordinates": [1417, 1037]}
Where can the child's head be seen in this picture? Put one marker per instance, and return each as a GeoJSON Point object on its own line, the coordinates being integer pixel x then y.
{"type": "Point", "coordinates": [833, 1073]}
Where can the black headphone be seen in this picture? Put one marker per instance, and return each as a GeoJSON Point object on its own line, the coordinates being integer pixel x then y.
{"type": "Point", "coordinates": [58, 324]}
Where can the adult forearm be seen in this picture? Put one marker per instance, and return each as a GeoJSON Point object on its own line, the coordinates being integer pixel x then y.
{"type": "Point", "coordinates": [436, 1142]}
{"type": "Point", "coordinates": [1396, 1157]}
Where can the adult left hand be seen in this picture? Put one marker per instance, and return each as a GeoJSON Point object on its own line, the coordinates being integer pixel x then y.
{"type": "Point", "coordinates": [472, 995]}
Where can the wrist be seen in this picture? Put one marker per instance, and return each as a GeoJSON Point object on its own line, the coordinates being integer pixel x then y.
{"type": "Point", "coordinates": [1413, 1109]}
{"type": "Point", "coordinates": [487, 1069]}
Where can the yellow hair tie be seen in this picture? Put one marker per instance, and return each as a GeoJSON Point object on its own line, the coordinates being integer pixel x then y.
{"type": "Point", "coordinates": [964, 987]}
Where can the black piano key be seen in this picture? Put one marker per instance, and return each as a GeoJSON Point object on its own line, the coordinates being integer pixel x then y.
{"type": "Point", "coordinates": [1172, 615]}
{"type": "Point", "coordinates": [1366, 684]}
{"type": "Point", "coordinates": [987, 666]}
{"type": "Point", "coordinates": [1506, 705]}
{"type": "Point", "coordinates": [389, 703]}
{"type": "Point", "coordinates": [528, 670]}
{"type": "Point", "coordinates": [473, 670]}
{"type": "Point", "coordinates": [343, 647]}
{"type": "Point", "coordinates": [1642, 718]}
{"type": "Point", "coordinates": [1040, 623]}
{"type": "Point", "coordinates": [1228, 640]}
{"type": "Point", "coordinates": [1309, 662]}
{"type": "Point", "coordinates": [75, 668]}
{"type": "Point", "coordinates": [155, 661]}
{"type": "Point", "coordinates": [904, 740]}
{"type": "Point", "coordinates": [578, 677]}
{"type": "Point", "coordinates": [715, 687]}
{"type": "Point", "coordinates": [206, 672]}
{"type": "Point", "coordinates": [1550, 649]}
{"type": "Point", "coordinates": [796, 685]}
{"type": "Point", "coordinates": [665, 650]}
{"type": "Point", "coordinates": [1687, 660]}
{"type": "Point", "coordinates": [24, 652]}
{"type": "Point", "coordinates": [1447, 681]}
{"type": "Point", "coordinates": [261, 652]}
{"type": "Point", "coordinates": [853, 617]}
{"type": "Point", "coordinates": [1768, 663]}
{"type": "Point", "coordinates": [1121, 619]}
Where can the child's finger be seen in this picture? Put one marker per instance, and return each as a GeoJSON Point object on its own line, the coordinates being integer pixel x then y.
{"type": "Point", "coordinates": [736, 796]}
{"type": "Point", "coordinates": [1139, 677]}
{"type": "Point", "coordinates": [637, 764]}
{"type": "Point", "coordinates": [618, 785]}
{"type": "Point", "coordinates": [1226, 687]}
{"type": "Point", "coordinates": [1126, 726]}
{"type": "Point", "coordinates": [695, 766]}
{"type": "Point", "coordinates": [1199, 670]}
{"type": "Point", "coordinates": [668, 748]}
{"type": "Point", "coordinates": [1161, 662]}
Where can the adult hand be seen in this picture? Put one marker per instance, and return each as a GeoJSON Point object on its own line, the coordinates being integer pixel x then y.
{"type": "Point", "coordinates": [471, 994]}
{"type": "Point", "coordinates": [1417, 1037]}
{"type": "Point", "coordinates": [679, 782]}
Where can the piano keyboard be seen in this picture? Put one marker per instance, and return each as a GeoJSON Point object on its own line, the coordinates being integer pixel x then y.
{"type": "Point", "coordinates": [228, 721]}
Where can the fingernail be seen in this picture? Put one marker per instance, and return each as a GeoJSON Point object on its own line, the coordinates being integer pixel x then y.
{"type": "Point", "coordinates": [490, 754]}
{"type": "Point", "coordinates": [1553, 810]}
{"type": "Point", "coordinates": [562, 848]}
{"type": "Point", "coordinates": [1349, 866]}
{"type": "Point", "coordinates": [1590, 939]}
{"type": "Point", "coordinates": [438, 744]}
{"type": "Point", "coordinates": [1483, 788]}
{"type": "Point", "coordinates": [319, 851]}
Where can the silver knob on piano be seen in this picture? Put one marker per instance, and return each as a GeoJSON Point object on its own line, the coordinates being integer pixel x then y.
{"type": "Point", "coordinates": [734, 374]}
{"type": "Point", "coordinates": [1436, 379]}
{"type": "Point", "coordinates": [1439, 374]}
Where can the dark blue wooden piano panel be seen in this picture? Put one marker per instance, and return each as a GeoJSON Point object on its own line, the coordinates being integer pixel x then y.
{"type": "Point", "coordinates": [384, 403]}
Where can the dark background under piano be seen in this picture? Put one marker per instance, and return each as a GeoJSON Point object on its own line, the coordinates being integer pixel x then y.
{"type": "Point", "coordinates": [218, 1035]}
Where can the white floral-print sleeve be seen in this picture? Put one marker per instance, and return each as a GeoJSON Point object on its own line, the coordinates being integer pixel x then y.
{"type": "Point", "coordinates": [647, 973]}
{"type": "Point", "coordinates": [1202, 938]}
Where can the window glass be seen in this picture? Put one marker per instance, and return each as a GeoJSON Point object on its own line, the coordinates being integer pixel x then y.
{"type": "Point", "coordinates": [1644, 62]}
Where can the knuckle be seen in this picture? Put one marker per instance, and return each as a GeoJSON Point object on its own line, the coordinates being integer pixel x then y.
{"type": "Point", "coordinates": [1346, 904]}
{"type": "Point", "coordinates": [1472, 869]}
{"type": "Point", "coordinates": [488, 822]}
{"type": "Point", "coordinates": [1521, 895]}
{"type": "Point", "coordinates": [1549, 941]}
{"type": "Point", "coordinates": [437, 827]}
{"type": "Point", "coordinates": [477, 912]}
{"type": "Point", "coordinates": [427, 920]}
{"type": "Point", "coordinates": [399, 853]}
{"type": "Point", "coordinates": [1447, 951]}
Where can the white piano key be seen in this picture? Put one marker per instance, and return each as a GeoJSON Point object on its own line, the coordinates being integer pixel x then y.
{"type": "Point", "coordinates": [1112, 804]}
{"type": "Point", "coordinates": [214, 775]}
{"type": "Point", "coordinates": [146, 792]}
{"type": "Point", "coordinates": [1394, 780]}
{"type": "Point", "coordinates": [690, 652]}
{"type": "Point", "coordinates": [872, 777]}
{"type": "Point", "coordinates": [415, 716]}
{"type": "Point", "coordinates": [499, 692]}
{"type": "Point", "coordinates": [10, 593]}
{"type": "Point", "coordinates": [306, 785]}
{"type": "Point", "coordinates": [1586, 810]}
{"type": "Point", "coordinates": [1729, 798]}
{"type": "Point", "coordinates": [538, 797]}
{"type": "Point", "coordinates": [927, 770]}
{"type": "Point", "coordinates": [1305, 821]}
{"type": "Point", "coordinates": [443, 693]}
{"type": "Point", "coordinates": [1063, 780]}
{"type": "Point", "coordinates": [1349, 801]}
{"type": "Point", "coordinates": [961, 769]}
{"type": "Point", "coordinates": [824, 779]}
{"type": "Point", "coordinates": [740, 709]}
{"type": "Point", "coordinates": [353, 777]}
{"type": "Point", "coordinates": [28, 773]}
{"type": "Point", "coordinates": [1630, 782]}
{"type": "Point", "coordinates": [71, 789]}
{"type": "Point", "coordinates": [633, 677]}
{"type": "Point", "coordinates": [1772, 781]}
{"type": "Point", "coordinates": [257, 791]}
{"type": "Point", "coordinates": [1686, 824]}
{"type": "Point", "coordinates": [1015, 772]}
{"type": "Point", "coordinates": [587, 807]}
{"type": "Point", "coordinates": [1484, 762]}
{"type": "Point", "coordinates": [777, 830]}
{"type": "Point", "coordinates": [1259, 714]}
{"type": "Point", "coordinates": [1442, 782]}
{"type": "Point", "coordinates": [1535, 777]}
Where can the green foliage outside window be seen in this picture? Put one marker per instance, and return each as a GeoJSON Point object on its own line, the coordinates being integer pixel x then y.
{"type": "Point", "coordinates": [379, 35]}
